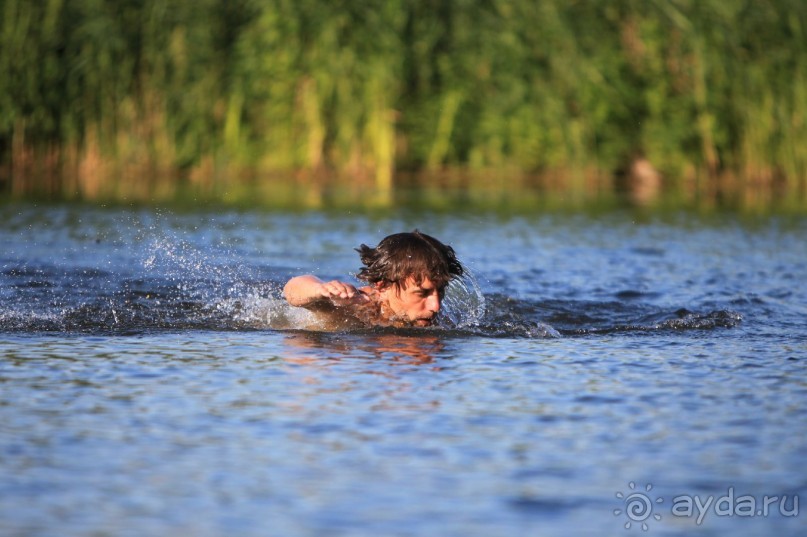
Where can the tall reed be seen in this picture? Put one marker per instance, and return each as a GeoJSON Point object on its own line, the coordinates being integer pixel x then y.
{"type": "Point", "coordinates": [140, 98]}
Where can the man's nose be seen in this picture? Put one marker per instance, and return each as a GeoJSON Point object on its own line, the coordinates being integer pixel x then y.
{"type": "Point", "coordinates": [433, 303]}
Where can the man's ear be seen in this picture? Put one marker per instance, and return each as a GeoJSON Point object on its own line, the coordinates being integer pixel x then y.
{"type": "Point", "coordinates": [385, 287]}
{"type": "Point", "coordinates": [380, 286]}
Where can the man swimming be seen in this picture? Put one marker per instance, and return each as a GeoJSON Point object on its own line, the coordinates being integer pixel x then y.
{"type": "Point", "coordinates": [407, 274]}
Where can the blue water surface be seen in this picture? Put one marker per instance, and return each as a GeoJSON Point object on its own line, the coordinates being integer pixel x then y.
{"type": "Point", "coordinates": [594, 373]}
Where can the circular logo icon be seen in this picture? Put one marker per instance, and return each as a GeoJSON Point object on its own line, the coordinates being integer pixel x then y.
{"type": "Point", "coordinates": [638, 506]}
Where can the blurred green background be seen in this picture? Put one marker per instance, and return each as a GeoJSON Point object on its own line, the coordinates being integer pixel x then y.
{"type": "Point", "coordinates": [522, 103]}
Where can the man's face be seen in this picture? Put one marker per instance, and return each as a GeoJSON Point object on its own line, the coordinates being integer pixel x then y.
{"type": "Point", "coordinates": [414, 303]}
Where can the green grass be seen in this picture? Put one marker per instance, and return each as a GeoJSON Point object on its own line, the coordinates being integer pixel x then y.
{"type": "Point", "coordinates": [148, 99]}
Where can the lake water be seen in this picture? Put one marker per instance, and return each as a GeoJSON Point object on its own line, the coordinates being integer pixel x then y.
{"type": "Point", "coordinates": [597, 371]}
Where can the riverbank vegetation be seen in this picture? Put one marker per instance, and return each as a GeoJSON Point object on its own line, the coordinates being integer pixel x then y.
{"type": "Point", "coordinates": [149, 99]}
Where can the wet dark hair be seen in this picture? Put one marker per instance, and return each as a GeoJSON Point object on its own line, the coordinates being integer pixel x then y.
{"type": "Point", "coordinates": [403, 255]}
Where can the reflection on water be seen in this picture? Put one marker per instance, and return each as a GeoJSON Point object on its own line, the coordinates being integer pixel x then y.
{"type": "Point", "coordinates": [414, 349]}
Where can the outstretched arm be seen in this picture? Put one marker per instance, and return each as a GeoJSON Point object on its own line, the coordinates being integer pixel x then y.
{"type": "Point", "coordinates": [310, 292]}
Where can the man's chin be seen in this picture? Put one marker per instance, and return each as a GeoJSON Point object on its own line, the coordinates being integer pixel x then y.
{"type": "Point", "coordinates": [424, 322]}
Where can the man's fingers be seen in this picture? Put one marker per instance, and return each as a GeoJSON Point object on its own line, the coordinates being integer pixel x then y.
{"type": "Point", "coordinates": [337, 289]}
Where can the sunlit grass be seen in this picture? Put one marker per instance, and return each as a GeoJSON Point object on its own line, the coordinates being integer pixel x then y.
{"type": "Point", "coordinates": [312, 103]}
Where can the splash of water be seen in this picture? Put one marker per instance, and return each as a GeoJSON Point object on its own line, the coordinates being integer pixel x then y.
{"type": "Point", "coordinates": [464, 304]}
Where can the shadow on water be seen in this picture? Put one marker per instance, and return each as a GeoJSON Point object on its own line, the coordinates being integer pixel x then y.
{"type": "Point", "coordinates": [575, 317]}
{"type": "Point", "coordinates": [106, 282]}
{"type": "Point", "coordinates": [91, 301]}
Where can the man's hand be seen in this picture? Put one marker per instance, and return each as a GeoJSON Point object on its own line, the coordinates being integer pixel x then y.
{"type": "Point", "coordinates": [339, 293]}
{"type": "Point", "coordinates": [312, 293]}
